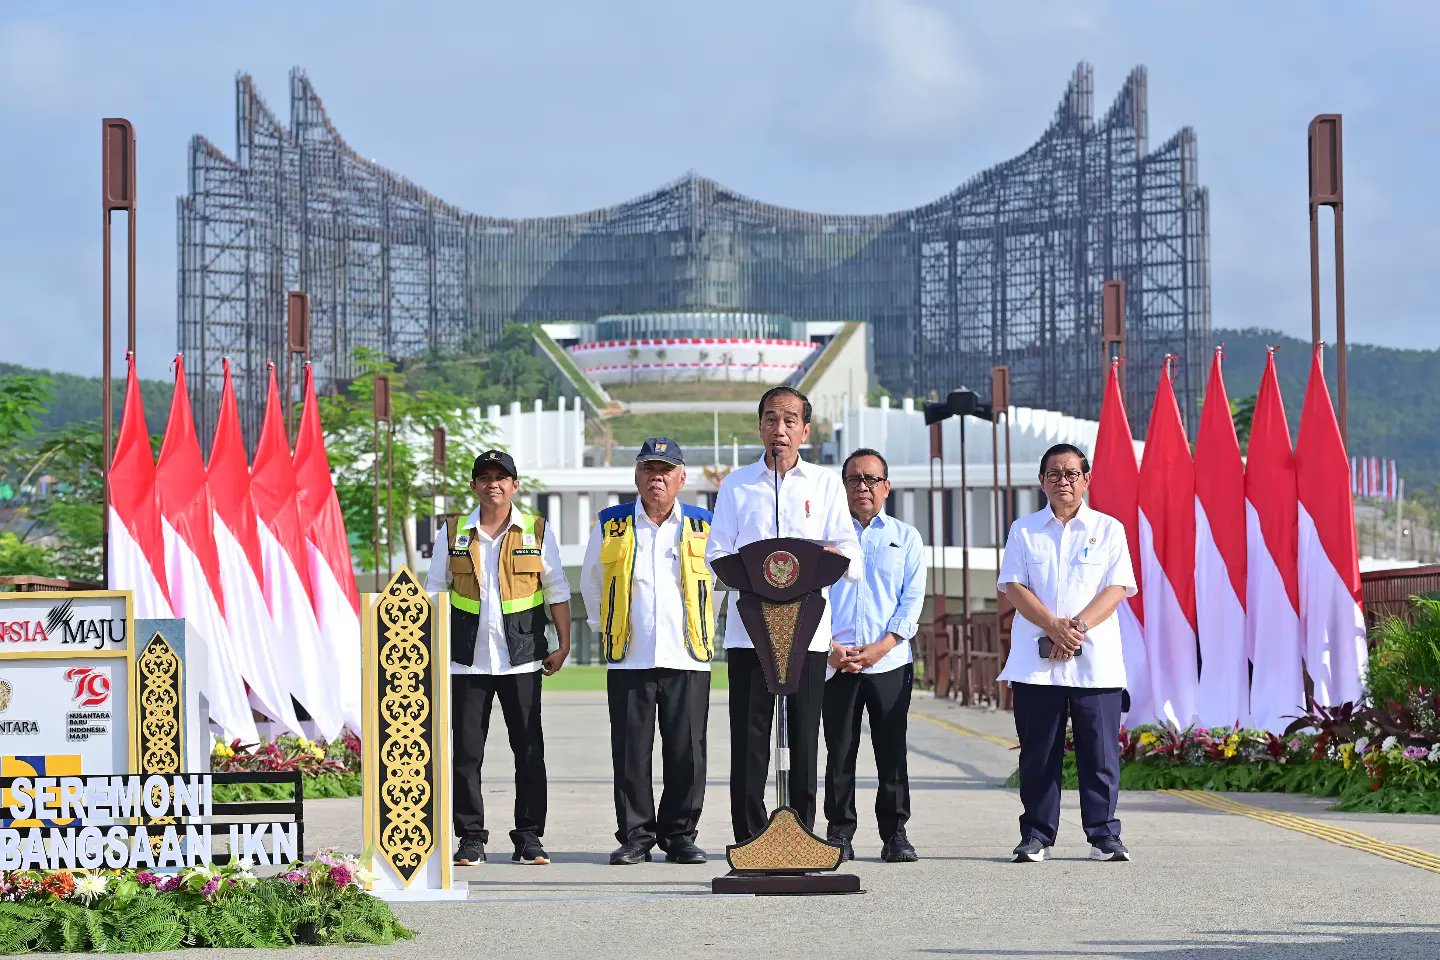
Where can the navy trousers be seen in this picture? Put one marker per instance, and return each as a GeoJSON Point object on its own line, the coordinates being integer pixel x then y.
{"type": "Point", "coordinates": [1040, 715]}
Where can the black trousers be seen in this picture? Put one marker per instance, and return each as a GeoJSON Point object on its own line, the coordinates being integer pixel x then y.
{"type": "Point", "coordinates": [752, 714]}
{"type": "Point", "coordinates": [682, 700]}
{"type": "Point", "coordinates": [472, 696]}
{"type": "Point", "coordinates": [1040, 714]}
{"type": "Point", "coordinates": [886, 698]}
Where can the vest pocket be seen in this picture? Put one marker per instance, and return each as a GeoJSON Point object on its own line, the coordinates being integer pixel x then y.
{"type": "Point", "coordinates": [695, 555]}
{"type": "Point", "coordinates": [527, 564]}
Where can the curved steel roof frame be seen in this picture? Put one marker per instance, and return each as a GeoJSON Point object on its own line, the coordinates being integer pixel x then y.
{"type": "Point", "coordinates": [1006, 268]}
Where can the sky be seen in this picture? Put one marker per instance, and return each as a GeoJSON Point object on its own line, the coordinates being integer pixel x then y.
{"type": "Point", "coordinates": [844, 106]}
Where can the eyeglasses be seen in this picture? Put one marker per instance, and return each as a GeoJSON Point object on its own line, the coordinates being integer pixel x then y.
{"type": "Point", "coordinates": [856, 480]}
{"type": "Point", "coordinates": [1063, 476]}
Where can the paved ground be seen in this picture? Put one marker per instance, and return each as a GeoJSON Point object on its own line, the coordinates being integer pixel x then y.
{"type": "Point", "coordinates": [1205, 883]}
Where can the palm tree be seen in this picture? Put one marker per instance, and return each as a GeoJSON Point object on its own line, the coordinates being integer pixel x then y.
{"type": "Point", "coordinates": [727, 358]}
{"type": "Point", "coordinates": [759, 365]}
{"type": "Point", "coordinates": [660, 355]}
{"type": "Point", "coordinates": [700, 370]}
{"type": "Point", "coordinates": [634, 354]}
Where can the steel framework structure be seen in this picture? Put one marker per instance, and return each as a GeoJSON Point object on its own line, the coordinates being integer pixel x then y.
{"type": "Point", "coordinates": [1006, 269]}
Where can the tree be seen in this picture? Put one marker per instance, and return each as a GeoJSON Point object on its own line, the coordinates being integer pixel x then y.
{"type": "Point", "coordinates": [700, 367]}
{"type": "Point", "coordinates": [634, 354]}
{"type": "Point", "coordinates": [23, 399]}
{"type": "Point", "coordinates": [347, 419]}
{"type": "Point", "coordinates": [1242, 411]}
{"type": "Point", "coordinates": [18, 557]}
{"type": "Point", "coordinates": [70, 513]}
{"type": "Point", "coordinates": [660, 355]}
{"type": "Point", "coordinates": [507, 370]}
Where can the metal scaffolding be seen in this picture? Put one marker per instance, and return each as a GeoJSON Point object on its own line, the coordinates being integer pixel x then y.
{"type": "Point", "coordinates": [1007, 269]}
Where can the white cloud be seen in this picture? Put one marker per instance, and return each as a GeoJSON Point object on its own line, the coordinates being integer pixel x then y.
{"type": "Point", "coordinates": [920, 74]}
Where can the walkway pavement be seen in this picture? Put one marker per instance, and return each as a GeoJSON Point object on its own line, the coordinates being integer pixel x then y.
{"type": "Point", "coordinates": [1205, 882]}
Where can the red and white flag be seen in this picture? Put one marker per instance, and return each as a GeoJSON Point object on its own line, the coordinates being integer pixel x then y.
{"type": "Point", "coordinates": [192, 567]}
{"type": "Point", "coordinates": [1115, 491]}
{"type": "Point", "coordinates": [257, 642]}
{"type": "Point", "coordinates": [1224, 695]}
{"type": "Point", "coordinates": [287, 569]}
{"type": "Point", "coordinates": [136, 539]}
{"type": "Point", "coordinates": [1331, 614]}
{"type": "Point", "coordinates": [332, 578]}
{"type": "Point", "coordinates": [1272, 617]}
{"type": "Point", "coordinates": [1167, 554]}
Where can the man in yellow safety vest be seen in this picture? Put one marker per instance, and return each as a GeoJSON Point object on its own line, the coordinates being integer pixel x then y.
{"type": "Point", "coordinates": [502, 570]}
{"type": "Point", "coordinates": [647, 593]}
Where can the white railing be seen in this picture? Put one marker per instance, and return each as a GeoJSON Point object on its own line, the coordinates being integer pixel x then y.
{"type": "Point", "coordinates": [900, 433]}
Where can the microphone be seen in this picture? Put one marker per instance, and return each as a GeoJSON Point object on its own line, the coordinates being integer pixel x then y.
{"type": "Point", "coordinates": [775, 464]}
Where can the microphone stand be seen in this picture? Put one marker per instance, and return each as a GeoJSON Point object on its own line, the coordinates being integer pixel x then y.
{"type": "Point", "coordinates": [782, 719]}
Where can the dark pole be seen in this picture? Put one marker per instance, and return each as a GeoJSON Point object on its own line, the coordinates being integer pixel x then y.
{"type": "Point", "coordinates": [965, 692]}
{"type": "Point", "coordinates": [782, 702]}
{"type": "Point", "coordinates": [389, 499]}
{"type": "Point", "coordinates": [937, 563]}
{"type": "Point", "coordinates": [999, 406]}
{"type": "Point", "coordinates": [381, 414]}
{"type": "Point", "coordinates": [437, 461]}
{"type": "Point", "coordinates": [1112, 329]}
{"type": "Point", "coordinates": [297, 341]}
{"type": "Point", "coordinates": [117, 192]}
{"type": "Point", "coordinates": [1327, 189]}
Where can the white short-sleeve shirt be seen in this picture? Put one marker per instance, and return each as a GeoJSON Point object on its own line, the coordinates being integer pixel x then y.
{"type": "Point", "coordinates": [1066, 565]}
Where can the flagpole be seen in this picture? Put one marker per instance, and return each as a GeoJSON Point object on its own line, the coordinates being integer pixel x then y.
{"type": "Point", "coordinates": [117, 192]}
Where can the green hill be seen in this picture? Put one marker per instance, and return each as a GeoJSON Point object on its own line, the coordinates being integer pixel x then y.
{"type": "Point", "coordinates": [1394, 394]}
{"type": "Point", "coordinates": [75, 398]}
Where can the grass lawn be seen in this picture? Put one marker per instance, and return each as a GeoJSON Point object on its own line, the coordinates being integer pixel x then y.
{"type": "Point", "coordinates": [576, 677]}
{"type": "Point", "coordinates": [687, 429]}
{"type": "Point", "coordinates": [672, 390]}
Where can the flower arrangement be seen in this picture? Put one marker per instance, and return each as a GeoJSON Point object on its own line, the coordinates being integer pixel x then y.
{"type": "Point", "coordinates": [1359, 765]}
{"type": "Point", "coordinates": [317, 901]}
{"type": "Point", "coordinates": [1381, 755]}
{"type": "Point", "coordinates": [330, 769]}
{"type": "Point", "coordinates": [286, 753]}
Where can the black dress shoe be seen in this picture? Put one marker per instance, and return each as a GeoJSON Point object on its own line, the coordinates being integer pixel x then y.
{"type": "Point", "coordinates": [686, 852]}
{"type": "Point", "coordinates": [630, 852]}
{"type": "Point", "coordinates": [847, 852]}
{"type": "Point", "coordinates": [898, 849]}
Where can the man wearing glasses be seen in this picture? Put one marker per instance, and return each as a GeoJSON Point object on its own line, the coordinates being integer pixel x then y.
{"type": "Point", "coordinates": [1066, 568]}
{"type": "Point", "coordinates": [872, 662]}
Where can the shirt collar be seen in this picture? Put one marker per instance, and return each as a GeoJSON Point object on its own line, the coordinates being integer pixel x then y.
{"type": "Point", "coordinates": [640, 513]}
{"type": "Point", "coordinates": [798, 470]}
{"type": "Point", "coordinates": [472, 522]}
{"type": "Point", "coordinates": [1082, 516]}
{"type": "Point", "coordinates": [877, 521]}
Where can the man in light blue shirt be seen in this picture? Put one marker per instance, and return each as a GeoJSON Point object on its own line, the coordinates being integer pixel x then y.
{"type": "Point", "coordinates": [872, 662]}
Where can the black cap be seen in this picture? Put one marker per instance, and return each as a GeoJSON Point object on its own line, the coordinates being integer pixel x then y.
{"type": "Point", "coordinates": [663, 449]}
{"type": "Point", "coordinates": [499, 458]}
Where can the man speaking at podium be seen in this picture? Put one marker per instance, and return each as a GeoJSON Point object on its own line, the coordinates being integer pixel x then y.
{"type": "Point", "coordinates": [812, 506]}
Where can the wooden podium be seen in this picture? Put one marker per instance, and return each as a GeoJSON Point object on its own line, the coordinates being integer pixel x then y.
{"type": "Point", "coordinates": [779, 581]}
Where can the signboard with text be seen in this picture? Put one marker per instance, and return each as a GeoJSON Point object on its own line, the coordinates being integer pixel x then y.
{"type": "Point", "coordinates": [66, 662]}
